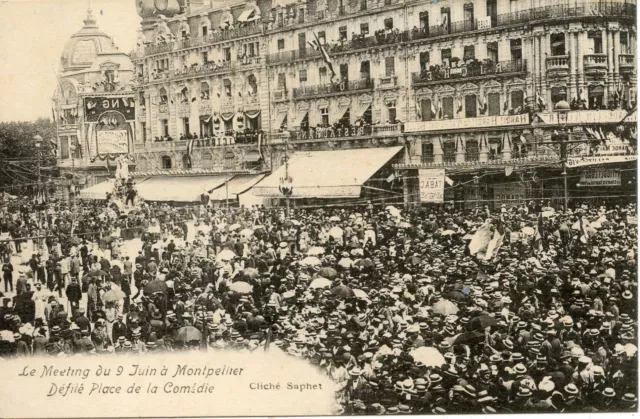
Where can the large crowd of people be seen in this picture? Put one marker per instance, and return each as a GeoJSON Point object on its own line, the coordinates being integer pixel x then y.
{"type": "Point", "coordinates": [427, 310]}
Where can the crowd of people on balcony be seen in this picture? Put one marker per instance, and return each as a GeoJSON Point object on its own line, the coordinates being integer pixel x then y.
{"type": "Point", "coordinates": [220, 138]}
{"type": "Point", "coordinates": [358, 41]}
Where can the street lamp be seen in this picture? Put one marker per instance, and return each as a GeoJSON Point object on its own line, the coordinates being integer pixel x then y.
{"type": "Point", "coordinates": [286, 183]}
{"type": "Point", "coordinates": [73, 172]}
{"type": "Point", "coordinates": [37, 140]}
{"type": "Point", "coordinates": [562, 109]}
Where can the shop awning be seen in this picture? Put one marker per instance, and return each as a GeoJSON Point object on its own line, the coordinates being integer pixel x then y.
{"type": "Point", "coordinates": [252, 156]}
{"type": "Point", "coordinates": [281, 120]}
{"type": "Point", "coordinates": [328, 174]}
{"type": "Point", "coordinates": [247, 16]}
{"type": "Point", "coordinates": [178, 189]}
{"type": "Point", "coordinates": [300, 118]}
{"type": "Point", "coordinates": [236, 186]}
{"type": "Point", "coordinates": [98, 191]}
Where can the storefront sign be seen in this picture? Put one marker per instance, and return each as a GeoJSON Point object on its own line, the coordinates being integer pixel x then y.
{"type": "Point", "coordinates": [601, 178]}
{"type": "Point", "coordinates": [484, 22]}
{"type": "Point", "coordinates": [94, 107]}
{"type": "Point", "coordinates": [590, 161]}
{"type": "Point", "coordinates": [113, 142]}
{"type": "Point", "coordinates": [431, 185]}
{"type": "Point", "coordinates": [587, 117]}
{"type": "Point", "coordinates": [482, 122]}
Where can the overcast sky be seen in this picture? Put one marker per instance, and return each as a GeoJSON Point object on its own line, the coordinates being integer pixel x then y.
{"type": "Point", "coordinates": [32, 36]}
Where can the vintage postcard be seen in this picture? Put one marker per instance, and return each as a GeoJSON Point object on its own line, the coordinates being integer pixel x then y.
{"type": "Point", "coordinates": [317, 207]}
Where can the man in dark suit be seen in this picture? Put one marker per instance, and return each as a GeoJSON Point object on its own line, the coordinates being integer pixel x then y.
{"type": "Point", "coordinates": [118, 329]}
{"type": "Point", "coordinates": [82, 320]}
{"type": "Point", "coordinates": [74, 295]}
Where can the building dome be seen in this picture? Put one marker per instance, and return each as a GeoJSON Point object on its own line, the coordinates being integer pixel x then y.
{"type": "Point", "coordinates": [84, 46]}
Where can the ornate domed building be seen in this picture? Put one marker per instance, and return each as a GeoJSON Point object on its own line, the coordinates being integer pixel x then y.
{"type": "Point", "coordinates": [93, 106]}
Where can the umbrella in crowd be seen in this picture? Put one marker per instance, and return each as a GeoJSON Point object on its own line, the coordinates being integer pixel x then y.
{"type": "Point", "coordinates": [155, 286]}
{"type": "Point", "coordinates": [241, 287]}
{"type": "Point", "coordinates": [226, 255]}
{"type": "Point", "coordinates": [328, 273]}
{"type": "Point", "coordinates": [315, 251]}
{"type": "Point", "coordinates": [342, 292]}
{"type": "Point", "coordinates": [320, 283]}
{"type": "Point", "coordinates": [445, 307]}
{"type": "Point", "coordinates": [250, 273]}
{"type": "Point", "coordinates": [311, 261]}
{"type": "Point", "coordinates": [113, 295]}
{"type": "Point", "coordinates": [188, 334]}
{"type": "Point", "coordinates": [430, 357]}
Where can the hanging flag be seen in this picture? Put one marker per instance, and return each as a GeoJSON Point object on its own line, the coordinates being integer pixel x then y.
{"type": "Point", "coordinates": [439, 109]}
{"type": "Point", "coordinates": [540, 100]}
{"type": "Point", "coordinates": [458, 105]}
{"type": "Point", "coordinates": [391, 178]}
{"type": "Point", "coordinates": [433, 111]}
{"type": "Point", "coordinates": [260, 140]}
{"type": "Point", "coordinates": [508, 170]}
{"type": "Point", "coordinates": [326, 58]}
{"type": "Point", "coordinates": [506, 106]}
{"type": "Point", "coordinates": [418, 109]}
{"type": "Point", "coordinates": [496, 242]}
{"type": "Point", "coordinates": [448, 180]}
{"type": "Point", "coordinates": [523, 140]}
{"type": "Point", "coordinates": [480, 239]}
{"type": "Point", "coordinates": [190, 146]}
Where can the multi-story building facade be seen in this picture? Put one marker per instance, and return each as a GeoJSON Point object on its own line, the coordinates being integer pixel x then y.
{"type": "Point", "coordinates": [93, 106]}
{"type": "Point", "coordinates": [465, 86]}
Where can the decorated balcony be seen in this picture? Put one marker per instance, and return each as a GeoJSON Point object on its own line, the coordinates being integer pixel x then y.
{"type": "Point", "coordinates": [332, 89]}
{"type": "Point", "coordinates": [592, 61]}
{"type": "Point", "coordinates": [438, 74]}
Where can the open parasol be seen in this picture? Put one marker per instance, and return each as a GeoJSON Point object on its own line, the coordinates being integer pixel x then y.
{"type": "Point", "coordinates": [155, 286]}
{"type": "Point", "coordinates": [342, 291]}
{"type": "Point", "coordinates": [226, 254]}
{"type": "Point", "coordinates": [188, 334]}
{"type": "Point", "coordinates": [445, 307]}
{"type": "Point", "coordinates": [315, 251]}
{"type": "Point", "coordinates": [320, 283]}
{"type": "Point", "coordinates": [328, 273]}
{"type": "Point", "coordinates": [430, 357]}
{"type": "Point", "coordinates": [114, 295]}
{"type": "Point", "coordinates": [311, 261]}
{"type": "Point", "coordinates": [250, 273]}
{"type": "Point", "coordinates": [241, 287]}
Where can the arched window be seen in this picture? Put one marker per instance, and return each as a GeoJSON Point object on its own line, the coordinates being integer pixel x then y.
{"type": "Point", "coordinates": [207, 161]}
{"type": "Point", "coordinates": [142, 165]}
{"type": "Point", "coordinates": [229, 159]}
{"type": "Point", "coordinates": [204, 90]}
{"type": "Point", "coordinates": [186, 161]}
{"type": "Point", "coordinates": [166, 162]}
{"type": "Point", "coordinates": [164, 98]}
{"type": "Point", "coordinates": [253, 84]}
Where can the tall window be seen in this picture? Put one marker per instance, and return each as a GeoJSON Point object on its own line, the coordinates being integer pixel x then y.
{"type": "Point", "coordinates": [517, 100]}
{"type": "Point", "coordinates": [492, 51]}
{"type": "Point", "coordinates": [516, 49]}
{"type": "Point", "coordinates": [164, 98]}
{"type": "Point", "coordinates": [185, 126]}
{"type": "Point", "coordinates": [469, 52]}
{"type": "Point", "coordinates": [494, 104]}
{"type": "Point", "coordinates": [322, 75]}
{"type": "Point", "coordinates": [427, 152]}
{"type": "Point", "coordinates": [364, 29]}
{"type": "Point", "coordinates": [164, 127]}
{"type": "Point", "coordinates": [390, 66]}
{"type": "Point", "coordinates": [470, 106]}
{"type": "Point", "coordinates": [205, 57]}
{"type": "Point", "coordinates": [282, 81]}
{"type": "Point", "coordinates": [64, 147]}
{"type": "Point", "coordinates": [424, 61]}
{"type": "Point", "coordinates": [207, 161]}
{"type": "Point", "coordinates": [469, 21]}
{"type": "Point", "coordinates": [303, 76]}
{"type": "Point", "coordinates": [558, 94]}
{"type": "Point", "coordinates": [186, 162]}
{"type": "Point", "coordinates": [424, 21]}
{"type": "Point", "coordinates": [226, 85]}
{"type": "Point", "coordinates": [449, 152]}
{"type": "Point", "coordinates": [391, 112]}
{"type": "Point", "coordinates": [447, 107]}
{"type": "Point", "coordinates": [143, 129]}
{"type": "Point", "coordinates": [595, 38]}
{"type": "Point", "coordinates": [322, 37]}
{"type": "Point", "coordinates": [205, 31]}
{"type": "Point", "coordinates": [342, 33]}
{"type": "Point", "coordinates": [363, 4]}
{"type": "Point", "coordinates": [445, 19]}
{"type": "Point", "coordinates": [425, 109]}
{"type": "Point", "coordinates": [388, 23]}
{"type": "Point", "coordinates": [166, 162]}
{"type": "Point", "coordinates": [624, 42]}
{"type": "Point", "coordinates": [557, 44]}
{"type": "Point", "coordinates": [472, 152]}
{"type": "Point", "coordinates": [445, 57]}
{"type": "Point", "coordinates": [280, 44]}
{"type": "Point", "coordinates": [227, 54]}
{"type": "Point", "coordinates": [324, 116]}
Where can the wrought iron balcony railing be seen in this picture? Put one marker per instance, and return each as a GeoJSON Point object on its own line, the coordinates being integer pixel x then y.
{"type": "Point", "coordinates": [329, 88]}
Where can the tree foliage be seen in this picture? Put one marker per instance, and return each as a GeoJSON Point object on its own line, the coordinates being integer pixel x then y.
{"type": "Point", "coordinates": [19, 154]}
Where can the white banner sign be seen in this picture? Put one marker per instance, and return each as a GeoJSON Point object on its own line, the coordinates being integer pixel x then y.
{"type": "Point", "coordinates": [601, 178]}
{"type": "Point", "coordinates": [588, 117]}
{"type": "Point", "coordinates": [431, 185]}
{"type": "Point", "coordinates": [590, 161]}
{"type": "Point", "coordinates": [113, 142]}
{"type": "Point", "coordinates": [484, 22]}
{"type": "Point", "coordinates": [482, 122]}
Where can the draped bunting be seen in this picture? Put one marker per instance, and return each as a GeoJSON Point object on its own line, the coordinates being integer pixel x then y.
{"type": "Point", "coordinates": [205, 118]}
{"type": "Point", "coordinates": [252, 114]}
{"type": "Point", "coordinates": [336, 112]}
{"type": "Point", "coordinates": [226, 117]}
{"type": "Point", "coordinates": [300, 118]}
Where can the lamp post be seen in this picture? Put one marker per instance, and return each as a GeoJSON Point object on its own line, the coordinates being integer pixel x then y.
{"type": "Point", "coordinates": [286, 183]}
{"type": "Point", "coordinates": [562, 109]}
{"type": "Point", "coordinates": [37, 139]}
{"type": "Point", "coordinates": [73, 173]}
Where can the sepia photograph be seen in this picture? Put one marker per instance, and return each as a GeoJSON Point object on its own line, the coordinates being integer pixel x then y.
{"type": "Point", "coordinates": [318, 207]}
